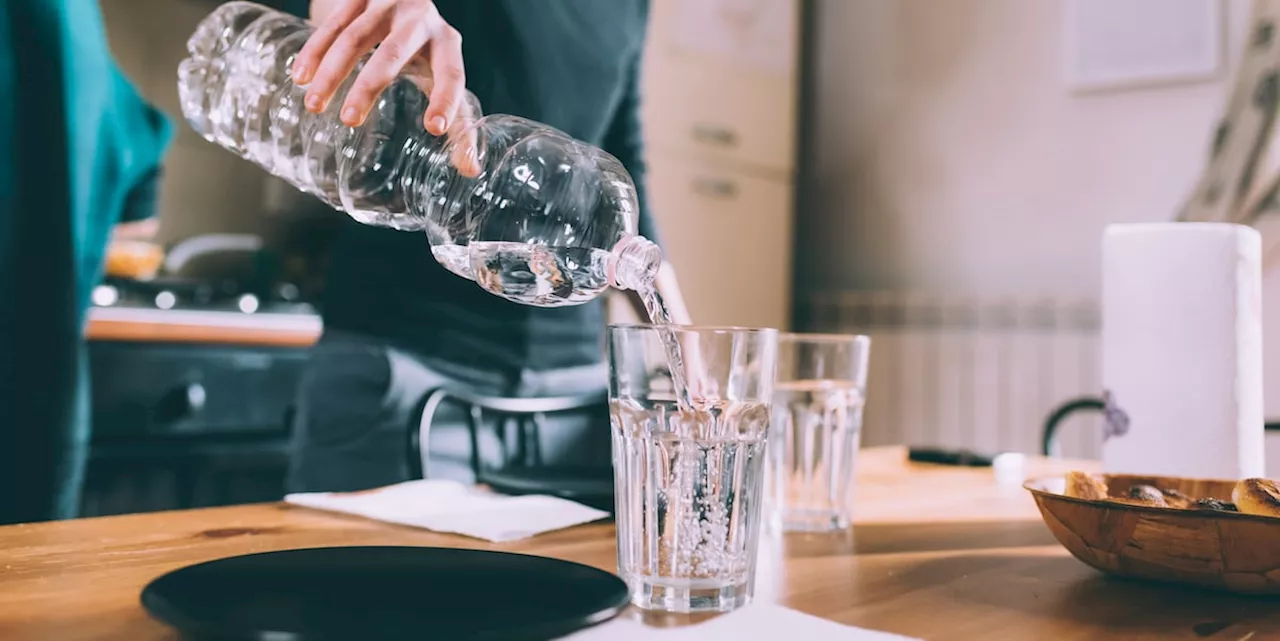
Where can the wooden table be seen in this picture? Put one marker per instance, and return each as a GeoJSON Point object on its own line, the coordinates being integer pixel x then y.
{"type": "Point", "coordinates": [937, 552]}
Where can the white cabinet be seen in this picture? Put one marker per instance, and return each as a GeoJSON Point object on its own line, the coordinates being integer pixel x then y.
{"type": "Point", "coordinates": [721, 80]}
{"type": "Point", "coordinates": [729, 235]}
{"type": "Point", "coordinates": [720, 109]}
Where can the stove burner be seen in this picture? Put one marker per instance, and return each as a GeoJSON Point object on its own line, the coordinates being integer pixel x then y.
{"type": "Point", "coordinates": [193, 295]}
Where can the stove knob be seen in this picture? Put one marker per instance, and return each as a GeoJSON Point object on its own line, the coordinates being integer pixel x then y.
{"type": "Point", "coordinates": [179, 403]}
{"type": "Point", "coordinates": [248, 303]}
{"type": "Point", "coordinates": [196, 397]}
{"type": "Point", "coordinates": [203, 294]}
{"type": "Point", "coordinates": [287, 292]}
{"type": "Point", "coordinates": [166, 300]}
{"type": "Point", "coordinates": [105, 295]}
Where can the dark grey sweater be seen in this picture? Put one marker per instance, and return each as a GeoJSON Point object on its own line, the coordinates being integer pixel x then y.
{"type": "Point", "coordinates": [572, 64]}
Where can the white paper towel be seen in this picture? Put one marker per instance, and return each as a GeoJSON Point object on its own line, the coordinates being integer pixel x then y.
{"type": "Point", "coordinates": [449, 506]}
{"type": "Point", "coordinates": [1182, 350]}
{"type": "Point", "coordinates": [756, 621]}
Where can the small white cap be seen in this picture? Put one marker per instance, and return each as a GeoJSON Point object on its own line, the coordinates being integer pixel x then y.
{"type": "Point", "coordinates": [1009, 468]}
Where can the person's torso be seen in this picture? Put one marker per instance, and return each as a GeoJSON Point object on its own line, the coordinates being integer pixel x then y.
{"type": "Point", "coordinates": [561, 62]}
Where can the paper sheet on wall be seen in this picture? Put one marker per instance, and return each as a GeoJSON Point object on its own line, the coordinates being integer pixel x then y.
{"type": "Point", "coordinates": [752, 33]}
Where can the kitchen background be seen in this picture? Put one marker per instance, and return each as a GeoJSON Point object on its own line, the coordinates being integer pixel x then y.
{"type": "Point", "coordinates": [927, 172]}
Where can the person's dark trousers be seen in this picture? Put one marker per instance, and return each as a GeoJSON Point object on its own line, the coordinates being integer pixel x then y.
{"type": "Point", "coordinates": [355, 404]}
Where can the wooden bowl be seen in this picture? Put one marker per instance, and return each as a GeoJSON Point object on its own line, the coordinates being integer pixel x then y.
{"type": "Point", "coordinates": [1213, 549]}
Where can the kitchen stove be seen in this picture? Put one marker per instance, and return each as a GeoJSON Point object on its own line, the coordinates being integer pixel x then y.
{"type": "Point", "coordinates": [191, 415]}
{"type": "Point", "coordinates": [180, 294]}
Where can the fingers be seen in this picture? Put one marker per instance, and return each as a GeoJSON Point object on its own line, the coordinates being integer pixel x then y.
{"type": "Point", "coordinates": [309, 57]}
{"type": "Point", "coordinates": [465, 154]}
{"type": "Point", "coordinates": [464, 148]}
{"type": "Point", "coordinates": [464, 136]}
{"type": "Point", "coordinates": [336, 48]}
{"type": "Point", "coordinates": [404, 33]}
{"type": "Point", "coordinates": [341, 58]}
{"type": "Point", "coordinates": [449, 79]}
{"type": "Point", "coordinates": [381, 70]}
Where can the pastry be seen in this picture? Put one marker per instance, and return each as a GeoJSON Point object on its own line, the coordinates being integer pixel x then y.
{"type": "Point", "coordinates": [1147, 495]}
{"type": "Point", "coordinates": [1250, 496]}
{"type": "Point", "coordinates": [1124, 500]}
{"type": "Point", "coordinates": [1085, 486]}
{"type": "Point", "coordinates": [1144, 495]}
{"type": "Point", "coordinates": [1257, 496]}
{"type": "Point", "coordinates": [1177, 499]}
{"type": "Point", "coordinates": [1215, 504]}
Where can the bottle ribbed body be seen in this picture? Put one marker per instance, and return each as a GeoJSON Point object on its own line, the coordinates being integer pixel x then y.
{"type": "Point", "coordinates": [236, 91]}
{"type": "Point", "coordinates": [523, 209]}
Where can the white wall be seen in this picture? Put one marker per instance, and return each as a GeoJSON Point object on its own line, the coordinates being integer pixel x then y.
{"type": "Point", "coordinates": [950, 156]}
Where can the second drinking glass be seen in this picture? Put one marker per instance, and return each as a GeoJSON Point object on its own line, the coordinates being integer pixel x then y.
{"type": "Point", "coordinates": [817, 429]}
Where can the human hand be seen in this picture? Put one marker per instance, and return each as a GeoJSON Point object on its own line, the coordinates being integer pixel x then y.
{"type": "Point", "coordinates": [404, 32]}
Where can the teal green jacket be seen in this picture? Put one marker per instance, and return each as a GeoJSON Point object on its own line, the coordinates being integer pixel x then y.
{"type": "Point", "coordinates": [77, 144]}
{"type": "Point", "coordinates": [114, 141]}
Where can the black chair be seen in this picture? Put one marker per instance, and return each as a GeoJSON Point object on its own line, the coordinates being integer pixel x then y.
{"type": "Point", "coordinates": [1049, 434]}
{"type": "Point", "coordinates": [523, 470]}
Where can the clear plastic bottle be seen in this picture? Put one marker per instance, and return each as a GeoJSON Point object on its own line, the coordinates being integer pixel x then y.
{"type": "Point", "coordinates": [523, 209]}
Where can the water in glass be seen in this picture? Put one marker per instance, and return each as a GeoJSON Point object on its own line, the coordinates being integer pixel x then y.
{"type": "Point", "coordinates": [818, 427]}
{"type": "Point", "coordinates": [689, 474]}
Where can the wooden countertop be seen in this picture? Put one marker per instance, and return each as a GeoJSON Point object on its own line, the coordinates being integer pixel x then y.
{"type": "Point", "coordinates": [937, 552]}
{"type": "Point", "coordinates": [182, 326]}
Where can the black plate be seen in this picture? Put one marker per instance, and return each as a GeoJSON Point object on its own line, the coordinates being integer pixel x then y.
{"type": "Point", "coordinates": [373, 593]}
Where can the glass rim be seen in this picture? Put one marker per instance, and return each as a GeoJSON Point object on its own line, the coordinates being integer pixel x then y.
{"type": "Point", "coordinates": [714, 329]}
{"type": "Point", "coordinates": [827, 337]}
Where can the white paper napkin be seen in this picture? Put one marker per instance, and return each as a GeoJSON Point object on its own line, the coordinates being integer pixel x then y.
{"type": "Point", "coordinates": [449, 506]}
{"type": "Point", "coordinates": [756, 621]}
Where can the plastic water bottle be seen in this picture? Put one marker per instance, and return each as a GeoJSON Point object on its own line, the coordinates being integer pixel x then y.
{"type": "Point", "coordinates": [521, 208]}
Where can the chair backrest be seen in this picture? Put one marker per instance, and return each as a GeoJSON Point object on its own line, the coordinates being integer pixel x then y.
{"type": "Point", "coordinates": [1049, 433]}
{"type": "Point", "coordinates": [525, 415]}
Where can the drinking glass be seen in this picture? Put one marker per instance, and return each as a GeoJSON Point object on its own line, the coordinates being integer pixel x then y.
{"type": "Point", "coordinates": [689, 464]}
{"type": "Point", "coordinates": [816, 430]}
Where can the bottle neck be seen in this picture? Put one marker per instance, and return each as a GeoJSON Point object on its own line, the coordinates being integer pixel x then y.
{"type": "Point", "coordinates": [634, 263]}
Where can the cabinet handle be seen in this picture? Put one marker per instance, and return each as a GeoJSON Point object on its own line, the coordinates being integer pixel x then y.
{"type": "Point", "coordinates": [715, 135]}
{"type": "Point", "coordinates": [178, 403]}
{"type": "Point", "coordinates": [715, 187]}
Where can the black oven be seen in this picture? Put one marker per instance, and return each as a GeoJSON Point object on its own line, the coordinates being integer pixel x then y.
{"type": "Point", "coordinates": [188, 425]}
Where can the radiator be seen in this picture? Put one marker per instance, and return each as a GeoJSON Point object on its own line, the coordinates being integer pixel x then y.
{"type": "Point", "coordinates": [970, 372]}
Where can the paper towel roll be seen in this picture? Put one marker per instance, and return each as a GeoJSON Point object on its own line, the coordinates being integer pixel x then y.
{"type": "Point", "coordinates": [1182, 350]}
